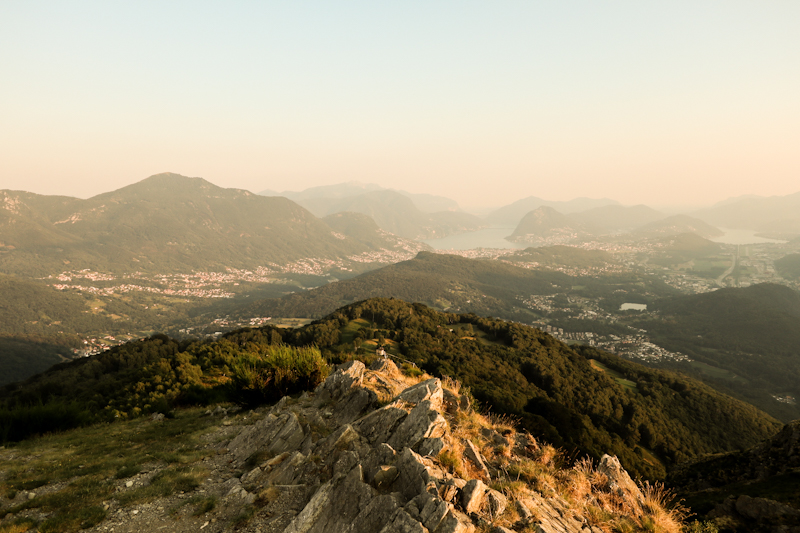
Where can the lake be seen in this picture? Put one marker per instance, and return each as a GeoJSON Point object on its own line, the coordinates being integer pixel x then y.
{"type": "Point", "coordinates": [741, 236]}
{"type": "Point", "coordinates": [635, 307]}
{"type": "Point", "coordinates": [483, 238]}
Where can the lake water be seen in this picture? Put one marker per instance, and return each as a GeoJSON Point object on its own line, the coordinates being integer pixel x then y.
{"type": "Point", "coordinates": [635, 307]}
{"type": "Point", "coordinates": [483, 238]}
{"type": "Point", "coordinates": [741, 236]}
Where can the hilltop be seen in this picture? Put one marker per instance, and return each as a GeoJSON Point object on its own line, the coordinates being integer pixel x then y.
{"type": "Point", "coordinates": [484, 287]}
{"type": "Point", "coordinates": [369, 450]}
{"type": "Point", "coordinates": [512, 214]}
{"type": "Point", "coordinates": [171, 223]}
{"type": "Point", "coordinates": [579, 399]}
{"type": "Point", "coordinates": [676, 225]}
{"type": "Point", "coordinates": [545, 223]}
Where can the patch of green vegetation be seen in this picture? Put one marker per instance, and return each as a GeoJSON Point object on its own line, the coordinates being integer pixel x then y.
{"type": "Point", "coordinates": [157, 375]}
{"type": "Point", "coordinates": [89, 461]}
{"type": "Point", "coordinates": [619, 378]}
{"type": "Point", "coordinates": [552, 389]}
{"type": "Point", "coordinates": [716, 372]}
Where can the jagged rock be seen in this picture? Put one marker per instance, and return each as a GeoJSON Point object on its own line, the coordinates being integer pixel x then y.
{"type": "Point", "coordinates": [375, 515]}
{"type": "Point", "coordinates": [500, 529]}
{"type": "Point", "coordinates": [379, 457]}
{"type": "Point", "coordinates": [353, 405]}
{"type": "Point", "coordinates": [430, 390]}
{"type": "Point", "coordinates": [432, 510]}
{"type": "Point", "coordinates": [415, 474]}
{"type": "Point", "coordinates": [497, 503]}
{"type": "Point", "coordinates": [473, 495]}
{"type": "Point", "coordinates": [524, 513]}
{"type": "Point", "coordinates": [472, 453]}
{"type": "Point", "coordinates": [430, 446]}
{"type": "Point", "coordinates": [342, 380]}
{"type": "Point", "coordinates": [385, 476]}
{"type": "Point", "coordinates": [423, 422]}
{"type": "Point", "coordinates": [455, 522]}
{"type": "Point", "coordinates": [251, 476]}
{"type": "Point", "coordinates": [335, 505]}
{"type": "Point", "coordinates": [286, 471]}
{"type": "Point", "coordinates": [379, 425]}
{"type": "Point", "coordinates": [402, 522]}
{"type": "Point", "coordinates": [275, 434]}
{"type": "Point", "coordinates": [618, 479]}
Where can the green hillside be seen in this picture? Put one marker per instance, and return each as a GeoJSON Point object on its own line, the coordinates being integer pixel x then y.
{"type": "Point", "coordinates": [396, 213]}
{"type": "Point", "coordinates": [545, 222]}
{"type": "Point", "coordinates": [788, 266]}
{"type": "Point", "coordinates": [552, 390]}
{"type": "Point", "coordinates": [479, 286]}
{"type": "Point", "coordinates": [751, 332]}
{"type": "Point", "coordinates": [168, 223]}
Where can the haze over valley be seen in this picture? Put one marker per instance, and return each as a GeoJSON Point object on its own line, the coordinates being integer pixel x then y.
{"type": "Point", "coordinates": [400, 267]}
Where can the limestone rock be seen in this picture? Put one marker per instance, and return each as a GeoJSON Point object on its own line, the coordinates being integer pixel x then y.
{"type": "Point", "coordinates": [473, 495]}
{"type": "Point", "coordinates": [338, 383]}
{"type": "Point", "coordinates": [472, 453]}
{"type": "Point", "coordinates": [423, 422]}
{"type": "Point", "coordinates": [618, 479]}
{"type": "Point", "coordinates": [402, 522]}
{"type": "Point", "coordinates": [430, 390]}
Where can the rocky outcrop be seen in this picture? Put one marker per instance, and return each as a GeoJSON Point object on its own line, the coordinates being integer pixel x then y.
{"type": "Point", "coordinates": [362, 467]}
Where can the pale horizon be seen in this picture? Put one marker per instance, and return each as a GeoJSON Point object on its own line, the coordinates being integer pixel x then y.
{"type": "Point", "coordinates": [682, 104]}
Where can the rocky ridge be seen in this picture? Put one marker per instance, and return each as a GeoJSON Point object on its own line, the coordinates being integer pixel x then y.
{"type": "Point", "coordinates": [375, 451]}
{"type": "Point", "coordinates": [423, 462]}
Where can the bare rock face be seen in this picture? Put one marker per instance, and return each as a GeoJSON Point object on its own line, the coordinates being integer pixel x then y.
{"type": "Point", "coordinates": [618, 478]}
{"type": "Point", "coordinates": [346, 465]}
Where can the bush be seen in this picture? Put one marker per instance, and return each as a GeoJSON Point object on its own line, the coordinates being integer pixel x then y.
{"type": "Point", "coordinates": [281, 370]}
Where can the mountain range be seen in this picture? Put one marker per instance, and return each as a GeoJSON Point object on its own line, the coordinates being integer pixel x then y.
{"type": "Point", "coordinates": [171, 223]}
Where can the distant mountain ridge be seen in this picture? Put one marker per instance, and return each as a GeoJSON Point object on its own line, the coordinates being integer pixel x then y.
{"type": "Point", "coordinates": [408, 215]}
{"type": "Point", "coordinates": [168, 223]}
{"type": "Point", "coordinates": [546, 223]}
{"type": "Point", "coordinates": [773, 214]}
{"type": "Point", "coordinates": [512, 214]}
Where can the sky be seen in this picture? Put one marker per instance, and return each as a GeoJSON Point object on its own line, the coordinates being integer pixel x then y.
{"type": "Point", "coordinates": [685, 102]}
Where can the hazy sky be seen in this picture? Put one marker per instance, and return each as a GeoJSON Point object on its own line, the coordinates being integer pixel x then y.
{"type": "Point", "coordinates": [664, 102]}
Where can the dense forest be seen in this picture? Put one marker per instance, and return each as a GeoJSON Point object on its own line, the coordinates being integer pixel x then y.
{"type": "Point", "coordinates": [753, 333]}
{"type": "Point", "coordinates": [583, 400]}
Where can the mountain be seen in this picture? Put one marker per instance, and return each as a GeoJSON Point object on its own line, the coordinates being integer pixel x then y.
{"type": "Point", "coordinates": [788, 266]}
{"type": "Point", "coordinates": [677, 224]}
{"type": "Point", "coordinates": [459, 284]}
{"type": "Point", "coordinates": [683, 248]}
{"type": "Point", "coordinates": [510, 215]}
{"type": "Point", "coordinates": [565, 257]}
{"type": "Point", "coordinates": [774, 214]}
{"type": "Point", "coordinates": [617, 218]}
{"type": "Point", "coordinates": [319, 200]}
{"type": "Point", "coordinates": [744, 340]}
{"type": "Point", "coordinates": [544, 224]}
{"type": "Point", "coordinates": [167, 223]}
{"type": "Point", "coordinates": [397, 214]}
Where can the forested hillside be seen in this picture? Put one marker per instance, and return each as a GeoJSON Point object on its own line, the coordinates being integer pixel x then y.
{"type": "Point", "coordinates": [583, 400]}
{"type": "Point", "coordinates": [751, 332]}
{"type": "Point", "coordinates": [482, 287]}
{"type": "Point", "coordinates": [169, 223]}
